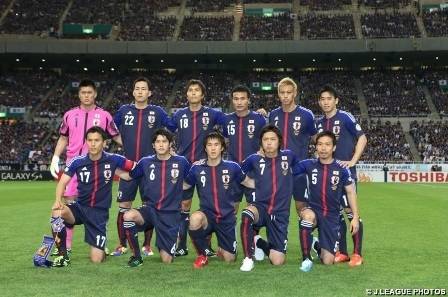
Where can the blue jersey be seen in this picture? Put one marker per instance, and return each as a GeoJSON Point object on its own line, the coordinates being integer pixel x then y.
{"type": "Point", "coordinates": [326, 185]}
{"type": "Point", "coordinates": [347, 132]}
{"type": "Point", "coordinates": [137, 128]}
{"type": "Point", "coordinates": [243, 134]}
{"type": "Point", "coordinates": [163, 181]}
{"type": "Point", "coordinates": [192, 127]}
{"type": "Point", "coordinates": [95, 178]}
{"type": "Point", "coordinates": [273, 179]}
{"type": "Point", "coordinates": [214, 185]}
{"type": "Point", "coordinates": [297, 128]}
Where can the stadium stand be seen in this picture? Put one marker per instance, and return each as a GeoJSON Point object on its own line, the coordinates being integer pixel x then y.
{"type": "Point", "coordinates": [428, 137]}
{"type": "Point", "coordinates": [87, 12]}
{"type": "Point", "coordinates": [436, 22]}
{"type": "Point", "coordinates": [435, 81]}
{"type": "Point", "coordinates": [314, 26]}
{"type": "Point", "coordinates": [209, 5]}
{"type": "Point", "coordinates": [140, 27]}
{"type": "Point", "coordinates": [267, 28]}
{"type": "Point", "coordinates": [381, 4]}
{"type": "Point", "coordinates": [389, 25]}
{"type": "Point", "coordinates": [325, 4]}
{"type": "Point", "coordinates": [207, 28]}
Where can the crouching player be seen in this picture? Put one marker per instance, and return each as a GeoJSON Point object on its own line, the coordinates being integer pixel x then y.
{"type": "Point", "coordinates": [162, 175]}
{"type": "Point", "coordinates": [214, 179]}
{"type": "Point", "coordinates": [328, 179]}
{"type": "Point", "coordinates": [95, 172]}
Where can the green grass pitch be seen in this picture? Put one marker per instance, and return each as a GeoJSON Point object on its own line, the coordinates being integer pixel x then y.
{"type": "Point", "coordinates": [405, 246]}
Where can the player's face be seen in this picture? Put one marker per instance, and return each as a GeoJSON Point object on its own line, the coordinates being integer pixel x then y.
{"type": "Point", "coordinates": [95, 143]}
{"type": "Point", "coordinates": [213, 148]}
{"type": "Point", "coordinates": [87, 96]}
{"type": "Point", "coordinates": [141, 92]}
{"type": "Point", "coordinates": [327, 102]}
{"type": "Point", "coordinates": [287, 94]}
{"type": "Point", "coordinates": [162, 146]}
{"type": "Point", "coordinates": [325, 147]}
{"type": "Point", "coordinates": [194, 94]}
{"type": "Point", "coordinates": [240, 101]}
{"type": "Point", "coordinates": [270, 142]}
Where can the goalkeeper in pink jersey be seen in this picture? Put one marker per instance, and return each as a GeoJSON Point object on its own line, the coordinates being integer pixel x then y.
{"type": "Point", "coordinates": [75, 123]}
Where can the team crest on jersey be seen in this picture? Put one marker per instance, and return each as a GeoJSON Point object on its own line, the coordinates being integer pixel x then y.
{"type": "Point", "coordinates": [251, 130]}
{"type": "Point", "coordinates": [334, 182]}
{"type": "Point", "coordinates": [107, 175]}
{"type": "Point", "coordinates": [151, 119]}
{"type": "Point", "coordinates": [226, 180]}
{"type": "Point", "coordinates": [205, 121]}
{"type": "Point", "coordinates": [336, 130]}
{"type": "Point", "coordinates": [296, 127]}
{"type": "Point", "coordinates": [285, 167]}
{"type": "Point", "coordinates": [96, 120]}
{"type": "Point", "coordinates": [174, 175]}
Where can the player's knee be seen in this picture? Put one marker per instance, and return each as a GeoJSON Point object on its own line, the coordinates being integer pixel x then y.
{"type": "Point", "coordinates": [277, 260]}
{"type": "Point", "coordinates": [300, 206]}
{"type": "Point", "coordinates": [249, 214]}
{"type": "Point", "coordinates": [130, 215]}
{"type": "Point", "coordinates": [186, 205]}
{"type": "Point", "coordinates": [196, 220]}
{"type": "Point", "coordinates": [125, 204]}
{"type": "Point", "coordinates": [166, 258]}
{"type": "Point", "coordinates": [308, 215]}
{"type": "Point", "coordinates": [97, 257]}
{"type": "Point", "coordinates": [228, 257]}
{"type": "Point", "coordinates": [328, 260]}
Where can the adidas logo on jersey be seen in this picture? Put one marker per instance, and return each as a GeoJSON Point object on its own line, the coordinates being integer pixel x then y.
{"type": "Point", "coordinates": [152, 166]}
{"type": "Point", "coordinates": [202, 172]}
{"type": "Point", "coordinates": [314, 170]}
{"type": "Point", "coordinates": [231, 122]}
{"type": "Point", "coordinates": [184, 116]}
{"type": "Point", "coordinates": [261, 160]}
{"type": "Point", "coordinates": [84, 169]}
{"type": "Point", "coordinates": [129, 112]}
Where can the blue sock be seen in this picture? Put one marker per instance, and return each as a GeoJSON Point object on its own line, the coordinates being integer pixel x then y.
{"type": "Point", "coordinates": [306, 238]}
{"type": "Point", "coordinates": [183, 229]}
{"type": "Point", "coordinates": [199, 239]}
{"type": "Point", "coordinates": [343, 239]}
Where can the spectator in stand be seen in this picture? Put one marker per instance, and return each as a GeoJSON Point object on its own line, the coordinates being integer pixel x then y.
{"type": "Point", "coordinates": [427, 137]}
{"type": "Point", "coordinates": [389, 25]}
{"type": "Point", "coordinates": [313, 26]}
{"type": "Point", "coordinates": [436, 23]}
{"type": "Point", "coordinates": [207, 28]}
{"type": "Point", "coordinates": [437, 83]}
{"type": "Point", "coordinates": [267, 28]}
{"type": "Point", "coordinates": [325, 4]}
{"type": "Point", "coordinates": [209, 5]}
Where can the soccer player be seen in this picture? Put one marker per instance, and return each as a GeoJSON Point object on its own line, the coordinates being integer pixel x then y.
{"type": "Point", "coordinates": [272, 172]}
{"type": "Point", "coordinates": [137, 123]}
{"type": "Point", "coordinates": [351, 144]}
{"type": "Point", "coordinates": [214, 178]}
{"type": "Point", "coordinates": [95, 172]}
{"type": "Point", "coordinates": [72, 131]}
{"type": "Point", "coordinates": [242, 129]}
{"type": "Point", "coordinates": [162, 175]}
{"type": "Point", "coordinates": [328, 179]}
{"type": "Point", "coordinates": [298, 128]}
{"type": "Point", "coordinates": [192, 124]}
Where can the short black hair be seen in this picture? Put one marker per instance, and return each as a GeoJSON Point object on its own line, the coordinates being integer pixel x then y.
{"type": "Point", "coordinates": [196, 82]}
{"type": "Point", "coordinates": [271, 128]}
{"type": "Point", "coordinates": [99, 130]}
{"type": "Point", "coordinates": [328, 89]}
{"type": "Point", "coordinates": [215, 135]}
{"type": "Point", "coordinates": [163, 132]}
{"type": "Point", "coordinates": [87, 83]}
{"type": "Point", "coordinates": [242, 89]}
{"type": "Point", "coordinates": [326, 133]}
{"type": "Point", "coordinates": [139, 79]}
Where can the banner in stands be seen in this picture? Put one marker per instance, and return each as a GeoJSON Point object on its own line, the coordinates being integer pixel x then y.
{"type": "Point", "coordinates": [25, 175]}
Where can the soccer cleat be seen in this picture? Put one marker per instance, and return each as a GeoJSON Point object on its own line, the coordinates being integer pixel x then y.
{"type": "Point", "coordinates": [306, 266]}
{"type": "Point", "coordinates": [259, 254]}
{"type": "Point", "coordinates": [355, 260]}
{"type": "Point", "coordinates": [119, 250]}
{"type": "Point", "coordinates": [181, 252]}
{"type": "Point", "coordinates": [314, 247]}
{"type": "Point", "coordinates": [340, 258]}
{"type": "Point", "coordinates": [210, 253]}
{"type": "Point", "coordinates": [55, 253]}
{"type": "Point", "coordinates": [135, 262]}
{"type": "Point", "coordinates": [61, 261]}
{"type": "Point", "coordinates": [247, 265]}
{"type": "Point", "coordinates": [147, 251]}
{"type": "Point", "coordinates": [200, 262]}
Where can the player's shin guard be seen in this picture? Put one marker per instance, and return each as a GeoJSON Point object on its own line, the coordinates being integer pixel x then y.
{"type": "Point", "coordinates": [247, 232]}
{"type": "Point", "coordinates": [59, 231]}
{"type": "Point", "coordinates": [120, 228]}
{"type": "Point", "coordinates": [148, 236]}
{"type": "Point", "coordinates": [357, 238]}
{"type": "Point", "coordinates": [343, 239]}
{"type": "Point", "coordinates": [183, 229]}
{"type": "Point", "coordinates": [130, 230]}
{"type": "Point", "coordinates": [306, 238]}
{"type": "Point", "coordinates": [199, 239]}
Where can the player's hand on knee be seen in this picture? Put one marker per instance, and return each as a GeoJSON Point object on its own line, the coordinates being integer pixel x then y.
{"type": "Point", "coordinates": [58, 205]}
{"type": "Point", "coordinates": [54, 166]}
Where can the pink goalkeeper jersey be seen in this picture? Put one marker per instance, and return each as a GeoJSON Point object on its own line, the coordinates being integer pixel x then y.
{"type": "Point", "coordinates": [77, 121]}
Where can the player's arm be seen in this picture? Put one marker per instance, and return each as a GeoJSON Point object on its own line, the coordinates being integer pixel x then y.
{"type": "Point", "coordinates": [248, 183]}
{"type": "Point", "coordinates": [60, 188]}
{"type": "Point", "coordinates": [123, 174]}
{"type": "Point", "coordinates": [118, 140]}
{"type": "Point", "coordinates": [352, 200]}
{"type": "Point", "coordinates": [190, 179]}
{"type": "Point", "coordinates": [186, 186]}
{"type": "Point", "coordinates": [359, 149]}
{"type": "Point", "coordinates": [60, 147]}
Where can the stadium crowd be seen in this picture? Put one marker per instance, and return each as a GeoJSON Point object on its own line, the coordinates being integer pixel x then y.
{"type": "Point", "coordinates": [209, 5]}
{"type": "Point", "coordinates": [138, 27]}
{"type": "Point", "coordinates": [436, 23]}
{"type": "Point", "coordinates": [267, 28]}
{"type": "Point", "coordinates": [87, 12]}
{"type": "Point", "coordinates": [325, 4]}
{"type": "Point", "coordinates": [314, 26]}
{"type": "Point", "coordinates": [428, 137]}
{"type": "Point", "coordinates": [380, 4]}
{"type": "Point", "coordinates": [434, 81]}
{"type": "Point", "coordinates": [207, 28]}
{"type": "Point", "coordinates": [389, 25]}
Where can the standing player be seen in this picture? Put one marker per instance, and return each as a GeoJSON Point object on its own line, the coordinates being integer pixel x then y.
{"type": "Point", "coordinates": [242, 129]}
{"type": "Point", "coordinates": [162, 176]}
{"type": "Point", "coordinates": [95, 172]}
{"type": "Point", "coordinates": [137, 123]}
{"type": "Point", "coordinates": [214, 179]}
{"type": "Point", "coordinates": [74, 125]}
{"type": "Point", "coordinates": [351, 144]}
{"type": "Point", "coordinates": [273, 175]}
{"type": "Point", "coordinates": [192, 124]}
{"type": "Point", "coordinates": [297, 126]}
{"type": "Point", "coordinates": [328, 179]}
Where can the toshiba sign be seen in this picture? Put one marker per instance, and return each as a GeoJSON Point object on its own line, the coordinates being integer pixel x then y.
{"type": "Point", "coordinates": [418, 177]}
